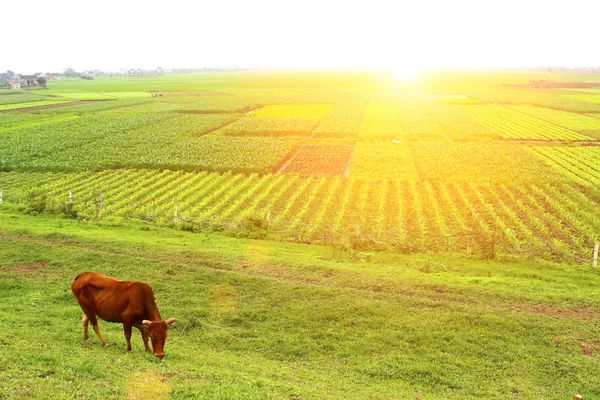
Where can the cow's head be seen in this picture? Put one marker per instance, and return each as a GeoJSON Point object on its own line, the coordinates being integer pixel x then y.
{"type": "Point", "coordinates": [157, 330]}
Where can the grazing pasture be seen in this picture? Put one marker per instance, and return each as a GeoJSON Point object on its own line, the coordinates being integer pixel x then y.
{"type": "Point", "coordinates": [261, 319]}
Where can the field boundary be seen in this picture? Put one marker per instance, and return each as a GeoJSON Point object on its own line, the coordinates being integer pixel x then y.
{"type": "Point", "coordinates": [74, 103]}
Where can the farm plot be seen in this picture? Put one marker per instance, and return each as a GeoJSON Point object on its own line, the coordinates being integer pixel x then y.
{"type": "Point", "coordinates": [580, 123]}
{"type": "Point", "coordinates": [18, 97]}
{"type": "Point", "coordinates": [457, 125]}
{"type": "Point", "coordinates": [512, 124]}
{"type": "Point", "coordinates": [589, 98]}
{"type": "Point", "coordinates": [579, 164]}
{"type": "Point", "coordinates": [481, 162]}
{"type": "Point", "coordinates": [16, 185]}
{"type": "Point", "coordinates": [250, 126]}
{"type": "Point", "coordinates": [380, 160]}
{"type": "Point", "coordinates": [344, 120]}
{"type": "Point", "coordinates": [164, 140]}
{"type": "Point", "coordinates": [320, 160]}
{"type": "Point", "coordinates": [536, 219]}
{"type": "Point", "coordinates": [280, 120]}
{"type": "Point", "coordinates": [30, 104]}
{"type": "Point", "coordinates": [416, 123]}
{"type": "Point", "coordinates": [21, 120]}
{"type": "Point", "coordinates": [292, 111]}
{"type": "Point", "coordinates": [380, 120]}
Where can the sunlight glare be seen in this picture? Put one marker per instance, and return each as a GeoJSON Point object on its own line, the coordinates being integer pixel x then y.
{"type": "Point", "coordinates": [405, 73]}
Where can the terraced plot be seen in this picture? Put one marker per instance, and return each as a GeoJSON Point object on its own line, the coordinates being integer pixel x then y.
{"type": "Point", "coordinates": [512, 124]}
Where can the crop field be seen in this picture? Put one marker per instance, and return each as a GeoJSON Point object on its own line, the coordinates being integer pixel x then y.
{"type": "Point", "coordinates": [320, 160]}
{"type": "Point", "coordinates": [392, 165]}
{"type": "Point", "coordinates": [415, 215]}
{"type": "Point", "coordinates": [512, 124]}
{"type": "Point", "coordinates": [570, 120]}
{"type": "Point", "coordinates": [380, 119]}
{"type": "Point", "coordinates": [579, 164]}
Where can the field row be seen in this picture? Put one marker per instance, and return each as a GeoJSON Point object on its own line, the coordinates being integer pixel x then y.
{"type": "Point", "coordinates": [543, 219]}
{"type": "Point", "coordinates": [513, 124]}
{"type": "Point", "coordinates": [579, 164]}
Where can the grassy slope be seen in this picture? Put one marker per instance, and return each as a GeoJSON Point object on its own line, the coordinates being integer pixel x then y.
{"type": "Point", "coordinates": [272, 320]}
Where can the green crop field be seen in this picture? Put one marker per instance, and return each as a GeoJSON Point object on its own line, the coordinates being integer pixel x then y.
{"type": "Point", "coordinates": [428, 239]}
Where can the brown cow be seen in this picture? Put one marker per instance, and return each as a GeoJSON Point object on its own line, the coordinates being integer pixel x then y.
{"type": "Point", "coordinates": [131, 303]}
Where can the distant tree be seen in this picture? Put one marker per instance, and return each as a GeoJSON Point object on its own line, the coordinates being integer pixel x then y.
{"type": "Point", "coordinates": [10, 74]}
{"type": "Point", "coordinates": [70, 72]}
{"type": "Point", "coordinates": [42, 81]}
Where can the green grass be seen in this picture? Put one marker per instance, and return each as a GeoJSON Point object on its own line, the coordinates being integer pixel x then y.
{"type": "Point", "coordinates": [259, 319]}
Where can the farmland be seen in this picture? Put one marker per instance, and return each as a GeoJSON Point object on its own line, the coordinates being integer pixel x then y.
{"type": "Point", "coordinates": [336, 235]}
{"type": "Point", "coordinates": [346, 157]}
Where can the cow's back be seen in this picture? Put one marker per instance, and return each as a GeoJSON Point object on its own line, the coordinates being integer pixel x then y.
{"type": "Point", "coordinates": [114, 300]}
{"type": "Point", "coordinates": [101, 294]}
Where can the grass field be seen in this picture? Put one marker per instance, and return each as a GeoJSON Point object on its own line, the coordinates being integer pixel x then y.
{"type": "Point", "coordinates": [259, 319]}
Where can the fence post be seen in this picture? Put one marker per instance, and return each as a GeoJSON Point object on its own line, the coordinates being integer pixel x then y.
{"type": "Point", "coordinates": [99, 207]}
{"type": "Point", "coordinates": [175, 214]}
{"type": "Point", "coordinates": [70, 196]}
{"type": "Point", "coordinates": [595, 258]}
{"type": "Point", "coordinates": [1, 196]}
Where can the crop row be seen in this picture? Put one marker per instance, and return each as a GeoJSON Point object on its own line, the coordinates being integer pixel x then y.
{"type": "Point", "coordinates": [512, 124]}
{"type": "Point", "coordinates": [580, 164]}
{"type": "Point", "coordinates": [541, 219]}
{"type": "Point", "coordinates": [570, 120]}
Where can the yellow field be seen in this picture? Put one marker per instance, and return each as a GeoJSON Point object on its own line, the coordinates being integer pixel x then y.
{"type": "Point", "coordinates": [380, 119]}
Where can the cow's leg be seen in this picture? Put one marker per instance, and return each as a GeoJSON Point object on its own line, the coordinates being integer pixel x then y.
{"type": "Point", "coordinates": [94, 321]}
{"type": "Point", "coordinates": [145, 338]}
{"type": "Point", "coordinates": [84, 323]}
{"type": "Point", "coordinates": [127, 330]}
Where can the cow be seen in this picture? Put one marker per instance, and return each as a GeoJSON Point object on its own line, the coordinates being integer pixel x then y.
{"type": "Point", "coordinates": [130, 303]}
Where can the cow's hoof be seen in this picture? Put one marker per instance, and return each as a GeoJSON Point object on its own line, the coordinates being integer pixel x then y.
{"type": "Point", "coordinates": [105, 344]}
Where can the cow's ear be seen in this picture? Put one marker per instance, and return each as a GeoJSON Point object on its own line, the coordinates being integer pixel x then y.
{"type": "Point", "coordinates": [146, 323]}
{"type": "Point", "coordinates": [170, 321]}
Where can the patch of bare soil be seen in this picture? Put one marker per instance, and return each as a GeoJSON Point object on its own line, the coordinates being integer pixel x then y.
{"type": "Point", "coordinates": [25, 268]}
{"type": "Point", "coordinates": [587, 347]}
{"type": "Point", "coordinates": [75, 103]}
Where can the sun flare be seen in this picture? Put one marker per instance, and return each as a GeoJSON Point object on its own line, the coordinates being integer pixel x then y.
{"type": "Point", "coordinates": [405, 73]}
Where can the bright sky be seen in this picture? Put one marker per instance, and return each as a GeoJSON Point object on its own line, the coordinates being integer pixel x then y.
{"type": "Point", "coordinates": [43, 36]}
